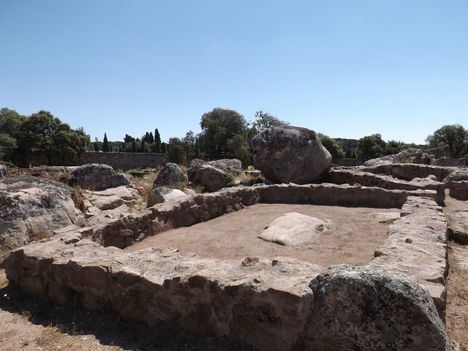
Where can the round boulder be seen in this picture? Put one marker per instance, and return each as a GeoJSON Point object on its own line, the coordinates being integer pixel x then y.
{"type": "Point", "coordinates": [164, 194]}
{"type": "Point", "coordinates": [32, 208]}
{"type": "Point", "coordinates": [457, 176]}
{"type": "Point", "coordinates": [367, 308]}
{"type": "Point", "coordinates": [96, 176]}
{"type": "Point", "coordinates": [171, 176]}
{"type": "Point", "coordinates": [209, 177]}
{"type": "Point", "coordinates": [287, 154]}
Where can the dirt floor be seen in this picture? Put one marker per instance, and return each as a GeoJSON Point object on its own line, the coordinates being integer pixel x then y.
{"type": "Point", "coordinates": [355, 235]}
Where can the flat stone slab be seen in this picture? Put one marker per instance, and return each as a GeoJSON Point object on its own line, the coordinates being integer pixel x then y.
{"type": "Point", "coordinates": [295, 229]}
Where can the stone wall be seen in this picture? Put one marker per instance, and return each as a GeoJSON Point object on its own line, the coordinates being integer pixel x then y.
{"type": "Point", "coordinates": [199, 208]}
{"type": "Point", "coordinates": [417, 246]}
{"type": "Point", "coordinates": [125, 160]}
{"type": "Point", "coordinates": [409, 171]}
{"type": "Point", "coordinates": [355, 176]}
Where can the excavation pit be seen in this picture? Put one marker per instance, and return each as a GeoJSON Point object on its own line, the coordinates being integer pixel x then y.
{"type": "Point", "coordinates": [198, 264]}
{"type": "Point", "coordinates": [355, 233]}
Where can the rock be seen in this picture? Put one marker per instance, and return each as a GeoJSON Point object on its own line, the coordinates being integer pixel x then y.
{"type": "Point", "coordinates": [107, 202]}
{"type": "Point", "coordinates": [96, 176]}
{"type": "Point", "coordinates": [171, 176]}
{"type": "Point", "coordinates": [385, 160]}
{"type": "Point", "coordinates": [164, 194]}
{"type": "Point", "coordinates": [3, 171]}
{"type": "Point", "coordinates": [365, 308]}
{"type": "Point", "coordinates": [457, 176]}
{"type": "Point", "coordinates": [295, 229]}
{"type": "Point", "coordinates": [410, 155]}
{"type": "Point", "coordinates": [123, 192]}
{"type": "Point", "coordinates": [32, 208]}
{"type": "Point", "coordinates": [287, 154]}
{"type": "Point", "coordinates": [196, 162]}
{"type": "Point", "coordinates": [209, 177]}
{"type": "Point", "coordinates": [457, 223]}
{"type": "Point", "coordinates": [230, 166]}
{"type": "Point", "coordinates": [458, 190]}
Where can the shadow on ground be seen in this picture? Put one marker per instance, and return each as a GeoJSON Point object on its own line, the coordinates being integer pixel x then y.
{"type": "Point", "coordinates": [106, 326]}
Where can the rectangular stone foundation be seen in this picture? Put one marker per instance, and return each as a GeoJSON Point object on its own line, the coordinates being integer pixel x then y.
{"type": "Point", "coordinates": [266, 303]}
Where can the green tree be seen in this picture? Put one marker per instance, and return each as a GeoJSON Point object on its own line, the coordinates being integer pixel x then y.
{"type": "Point", "coordinates": [96, 144]}
{"type": "Point", "coordinates": [105, 144]}
{"type": "Point", "coordinates": [264, 120]}
{"type": "Point", "coordinates": [453, 136]}
{"type": "Point", "coordinates": [176, 150]}
{"type": "Point", "coordinates": [371, 146]}
{"type": "Point", "coordinates": [163, 147]}
{"type": "Point", "coordinates": [10, 124]}
{"type": "Point", "coordinates": [44, 136]}
{"type": "Point", "coordinates": [222, 130]}
{"type": "Point", "coordinates": [157, 141]}
{"type": "Point", "coordinates": [333, 147]}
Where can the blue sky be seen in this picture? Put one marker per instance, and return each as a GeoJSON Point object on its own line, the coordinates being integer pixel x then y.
{"type": "Point", "coordinates": [345, 68]}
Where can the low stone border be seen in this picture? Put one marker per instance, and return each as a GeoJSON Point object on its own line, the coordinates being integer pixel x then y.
{"type": "Point", "coordinates": [417, 247]}
{"type": "Point", "coordinates": [408, 171]}
{"type": "Point", "coordinates": [343, 176]}
{"type": "Point", "coordinates": [199, 208]}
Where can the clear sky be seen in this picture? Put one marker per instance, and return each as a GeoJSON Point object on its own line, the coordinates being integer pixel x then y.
{"type": "Point", "coordinates": [345, 68]}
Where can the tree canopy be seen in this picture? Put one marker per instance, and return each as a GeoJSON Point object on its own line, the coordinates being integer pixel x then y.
{"type": "Point", "coordinates": [453, 136]}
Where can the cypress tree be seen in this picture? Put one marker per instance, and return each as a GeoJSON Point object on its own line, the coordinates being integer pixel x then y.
{"type": "Point", "coordinates": [157, 140]}
{"type": "Point", "coordinates": [105, 144]}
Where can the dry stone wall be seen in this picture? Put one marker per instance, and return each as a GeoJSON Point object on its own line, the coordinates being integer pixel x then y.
{"type": "Point", "coordinates": [125, 160]}
{"type": "Point", "coordinates": [409, 171]}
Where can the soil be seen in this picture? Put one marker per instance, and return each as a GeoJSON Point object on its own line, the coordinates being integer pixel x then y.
{"type": "Point", "coordinates": [355, 235]}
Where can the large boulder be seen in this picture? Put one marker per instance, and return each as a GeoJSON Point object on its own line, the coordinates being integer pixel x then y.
{"type": "Point", "coordinates": [164, 194]}
{"type": "Point", "coordinates": [210, 178]}
{"type": "Point", "coordinates": [457, 176]}
{"type": "Point", "coordinates": [410, 155]}
{"type": "Point", "coordinates": [287, 154]}
{"type": "Point", "coordinates": [32, 208]}
{"type": "Point", "coordinates": [96, 176]}
{"type": "Point", "coordinates": [365, 308]}
{"type": "Point", "coordinates": [295, 229]}
{"type": "Point", "coordinates": [171, 176]}
{"type": "Point", "coordinates": [3, 171]}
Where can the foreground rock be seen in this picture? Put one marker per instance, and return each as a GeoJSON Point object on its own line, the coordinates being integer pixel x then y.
{"type": "Point", "coordinates": [163, 194]}
{"type": "Point", "coordinates": [366, 308]}
{"type": "Point", "coordinates": [289, 154]}
{"type": "Point", "coordinates": [210, 178]}
{"type": "Point", "coordinates": [31, 208]}
{"type": "Point", "coordinates": [95, 176]}
{"type": "Point", "coordinates": [458, 226]}
{"type": "Point", "coordinates": [295, 229]}
{"type": "Point", "coordinates": [171, 176]}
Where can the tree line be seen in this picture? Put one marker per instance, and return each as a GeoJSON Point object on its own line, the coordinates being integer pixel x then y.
{"type": "Point", "coordinates": [43, 138]}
